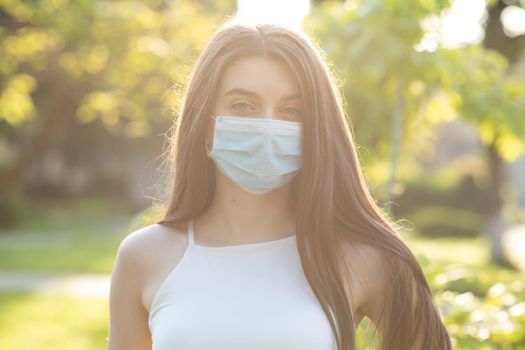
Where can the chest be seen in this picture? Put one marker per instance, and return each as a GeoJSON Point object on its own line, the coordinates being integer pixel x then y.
{"type": "Point", "coordinates": [257, 314]}
{"type": "Point", "coordinates": [210, 302]}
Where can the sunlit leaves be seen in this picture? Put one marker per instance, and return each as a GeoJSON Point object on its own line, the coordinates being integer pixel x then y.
{"type": "Point", "coordinates": [483, 308]}
{"type": "Point", "coordinates": [122, 56]}
{"type": "Point", "coordinates": [372, 44]}
{"type": "Point", "coordinates": [100, 103]}
{"type": "Point", "coordinates": [18, 9]}
{"type": "Point", "coordinates": [26, 43]}
{"type": "Point", "coordinates": [16, 106]}
{"type": "Point", "coordinates": [109, 107]}
{"type": "Point", "coordinates": [489, 100]}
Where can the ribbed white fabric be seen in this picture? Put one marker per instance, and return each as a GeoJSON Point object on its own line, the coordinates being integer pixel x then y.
{"type": "Point", "coordinates": [250, 296]}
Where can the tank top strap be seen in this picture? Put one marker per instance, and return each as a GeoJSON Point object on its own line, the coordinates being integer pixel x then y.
{"type": "Point", "coordinates": [191, 239]}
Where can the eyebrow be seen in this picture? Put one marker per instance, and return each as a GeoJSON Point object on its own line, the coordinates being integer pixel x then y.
{"type": "Point", "coordinates": [253, 94]}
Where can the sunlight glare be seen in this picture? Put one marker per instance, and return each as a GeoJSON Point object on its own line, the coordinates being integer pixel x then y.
{"type": "Point", "coordinates": [289, 13]}
{"type": "Point", "coordinates": [513, 19]}
{"type": "Point", "coordinates": [459, 25]}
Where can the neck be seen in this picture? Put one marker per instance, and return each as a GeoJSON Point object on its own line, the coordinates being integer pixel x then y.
{"type": "Point", "coordinates": [236, 216]}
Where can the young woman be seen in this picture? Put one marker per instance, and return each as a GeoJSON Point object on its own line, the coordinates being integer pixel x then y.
{"type": "Point", "coordinates": [270, 239]}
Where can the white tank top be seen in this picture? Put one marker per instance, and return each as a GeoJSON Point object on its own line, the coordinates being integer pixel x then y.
{"type": "Point", "coordinates": [238, 297]}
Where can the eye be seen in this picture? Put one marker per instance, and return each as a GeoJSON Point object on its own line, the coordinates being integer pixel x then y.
{"type": "Point", "coordinates": [292, 112]}
{"type": "Point", "coordinates": [243, 107]}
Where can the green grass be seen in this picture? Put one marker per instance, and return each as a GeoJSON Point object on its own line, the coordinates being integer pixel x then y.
{"type": "Point", "coordinates": [444, 250]}
{"type": "Point", "coordinates": [76, 257]}
{"type": "Point", "coordinates": [79, 236]}
{"type": "Point", "coordinates": [48, 322]}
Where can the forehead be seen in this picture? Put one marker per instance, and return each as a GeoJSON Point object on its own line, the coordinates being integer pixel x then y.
{"type": "Point", "coordinates": [266, 76]}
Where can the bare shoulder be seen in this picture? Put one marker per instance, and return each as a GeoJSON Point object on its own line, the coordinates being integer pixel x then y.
{"type": "Point", "coordinates": [147, 253]}
{"type": "Point", "coordinates": [140, 244]}
{"type": "Point", "coordinates": [138, 257]}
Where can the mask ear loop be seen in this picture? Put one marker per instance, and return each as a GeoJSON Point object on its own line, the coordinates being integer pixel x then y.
{"type": "Point", "coordinates": [206, 143]}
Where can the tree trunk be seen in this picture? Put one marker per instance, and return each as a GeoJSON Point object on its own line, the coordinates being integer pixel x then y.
{"type": "Point", "coordinates": [511, 47]}
{"type": "Point", "coordinates": [50, 122]}
{"type": "Point", "coordinates": [495, 224]}
{"type": "Point", "coordinates": [396, 136]}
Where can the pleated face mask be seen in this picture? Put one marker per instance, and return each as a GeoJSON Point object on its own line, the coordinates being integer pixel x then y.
{"type": "Point", "coordinates": [257, 154]}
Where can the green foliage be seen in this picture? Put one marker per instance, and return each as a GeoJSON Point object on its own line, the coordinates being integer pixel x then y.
{"type": "Point", "coordinates": [485, 97]}
{"type": "Point", "coordinates": [372, 50]}
{"type": "Point", "coordinates": [444, 220]}
{"type": "Point", "coordinates": [371, 45]}
{"type": "Point", "coordinates": [483, 308]}
{"type": "Point", "coordinates": [449, 202]}
{"type": "Point", "coordinates": [117, 58]}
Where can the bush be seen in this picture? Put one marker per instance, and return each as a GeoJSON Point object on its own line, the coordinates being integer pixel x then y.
{"type": "Point", "coordinates": [437, 209]}
{"type": "Point", "coordinates": [482, 307]}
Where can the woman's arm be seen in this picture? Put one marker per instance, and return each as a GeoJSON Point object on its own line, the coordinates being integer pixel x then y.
{"type": "Point", "coordinates": [128, 318]}
{"type": "Point", "coordinates": [401, 306]}
{"type": "Point", "coordinates": [365, 279]}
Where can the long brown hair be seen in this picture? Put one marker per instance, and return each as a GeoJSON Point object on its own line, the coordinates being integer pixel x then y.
{"type": "Point", "coordinates": [332, 203]}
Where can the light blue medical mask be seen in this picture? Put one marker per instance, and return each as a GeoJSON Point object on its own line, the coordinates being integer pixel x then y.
{"type": "Point", "coordinates": [257, 154]}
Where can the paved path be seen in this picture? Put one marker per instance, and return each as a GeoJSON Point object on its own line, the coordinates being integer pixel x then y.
{"type": "Point", "coordinates": [77, 285]}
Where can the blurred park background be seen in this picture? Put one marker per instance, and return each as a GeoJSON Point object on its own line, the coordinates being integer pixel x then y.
{"type": "Point", "coordinates": [435, 91]}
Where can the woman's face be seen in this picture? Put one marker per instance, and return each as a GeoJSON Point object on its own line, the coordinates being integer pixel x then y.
{"type": "Point", "coordinates": [257, 87]}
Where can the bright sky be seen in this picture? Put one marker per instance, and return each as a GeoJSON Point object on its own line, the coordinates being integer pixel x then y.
{"type": "Point", "coordinates": [463, 22]}
{"type": "Point", "coordinates": [459, 25]}
{"type": "Point", "coordinates": [286, 12]}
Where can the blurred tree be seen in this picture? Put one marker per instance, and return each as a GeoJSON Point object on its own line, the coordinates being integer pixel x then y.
{"type": "Point", "coordinates": [390, 85]}
{"type": "Point", "coordinates": [512, 48]}
{"type": "Point", "coordinates": [485, 92]}
{"type": "Point", "coordinates": [495, 36]}
{"type": "Point", "coordinates": [371, 44]}
{"type": "Point", "coordinates": [487, 98]}
{"type": "Point", "coordinates": [118, 63]}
